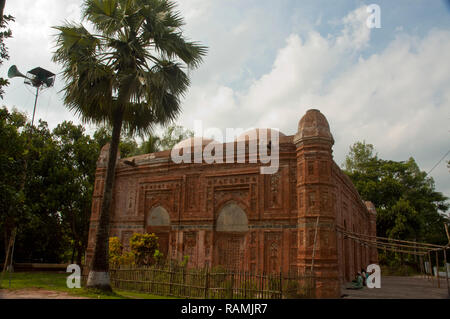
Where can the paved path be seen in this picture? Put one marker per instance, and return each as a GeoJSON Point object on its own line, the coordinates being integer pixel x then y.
{"type": "Point", "coordinates": [35, 293]}
{"type": "Point", "coordinates": [393, 287]}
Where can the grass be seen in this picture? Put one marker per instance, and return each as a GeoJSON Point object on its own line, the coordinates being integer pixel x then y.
{"type": "Point", "coordinates": [57, 282]}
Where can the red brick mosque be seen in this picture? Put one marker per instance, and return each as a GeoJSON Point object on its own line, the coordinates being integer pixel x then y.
{"type": "Point", "coordinates": [230, 214]}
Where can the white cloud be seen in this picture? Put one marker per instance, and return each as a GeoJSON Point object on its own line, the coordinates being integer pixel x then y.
{"type": "Point", "coordinates": [397, 99]}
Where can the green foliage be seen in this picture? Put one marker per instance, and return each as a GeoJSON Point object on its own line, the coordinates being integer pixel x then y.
{"type": "Point", "coordinates": [5, 33]}
{"type": "Point", "coordinates": [12, 163]}
{"type": "Point", "coordinates": [408, 206]}
{"type": "Point", "coordinates": [185, 261]}
{"type": "Point", "coordinates": [128, 146]}
{"type": "Point", "coordinates": [46, 185]}
{"type": "Point", "coordinates": [145, 248]}
{"type": "Point", "coordinates": [173, 135]}
{"type": "Point", "coordinates": [115, 251]}
{"type": "Point", "coordinates": [117, 256]}
{"type": "Point", "coordinates": [131, 68]}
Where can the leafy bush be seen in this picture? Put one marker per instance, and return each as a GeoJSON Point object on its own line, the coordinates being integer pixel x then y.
{"type": "Point", "coordinates": [145, 249]}
{"type": "Point", "coordinates": [117, 257]}
{"type": "Point", "coordinates": [115, 251]}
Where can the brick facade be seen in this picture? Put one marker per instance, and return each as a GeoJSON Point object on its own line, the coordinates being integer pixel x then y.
{"type": "Point", "coordinates": [229, 214]}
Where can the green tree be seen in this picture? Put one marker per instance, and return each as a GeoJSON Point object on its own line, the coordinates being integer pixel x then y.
{"type": "Point", "coordinates": [12, 155]}
{"type": "Point", "coordinates": [408, 206]}
{"type": "Point", "coordinates": [127, 146]}
{"type": "Point", "coordinates": [151, 145]}
{"type": "Point", "coordinates": [5, 33]}
{"type": "Point", "coordinates": [129, 74]}
{"type": "Point", "coordinates": [73, 180]}
{"type": "Point", "coordinates": [173, 135]}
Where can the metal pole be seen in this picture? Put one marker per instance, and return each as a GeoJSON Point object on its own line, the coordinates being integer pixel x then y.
{"type": "Point", "coordinates": [431, 267]}
{"type": "Point", "coordinates": [35, 102]}
{"type": "Point", "coordinates": [446, 270]}
{"type": "Point", "coordinates": [437, 270]}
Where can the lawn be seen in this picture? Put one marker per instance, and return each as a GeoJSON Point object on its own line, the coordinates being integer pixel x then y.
{"type": "Point", "coordinates": [56, 281]}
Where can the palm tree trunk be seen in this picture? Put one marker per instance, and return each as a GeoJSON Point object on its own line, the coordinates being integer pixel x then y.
{"type": "Point", "coordinates": [2, 8]}
{"type": "Point", "coordinates": [99, 271]}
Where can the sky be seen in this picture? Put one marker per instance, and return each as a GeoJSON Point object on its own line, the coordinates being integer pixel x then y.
{"type": "Point", "coordinates": [270, 61]}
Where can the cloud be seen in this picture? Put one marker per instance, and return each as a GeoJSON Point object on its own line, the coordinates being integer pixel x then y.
{"type": "Point", "coordinates": [267, 65]}
{"type": "Point", "coordinates": [397, 99]}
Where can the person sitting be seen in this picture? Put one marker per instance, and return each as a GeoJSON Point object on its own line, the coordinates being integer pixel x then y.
{"type": "Point", "coordinates": [364, 276]}
{"type": "Point", "coordinates": [356, 283]}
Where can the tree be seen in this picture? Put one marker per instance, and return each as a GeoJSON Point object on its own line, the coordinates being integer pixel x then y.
{"type": "Point", "coordinates": [128, 74]}
{"type": "Point", "coordinates": [5, 33]}
{"type": "Point", "coordinates": [173, 135]}
{"type": "Point", "coordinates": [127, 146]}
{"type": "Point", "coordinates": [2, 7]}
{"type": "Point", "coordinates": [151, 145]}
{"type": "Point", "coordinates": [12, 153]}
{"type": "Point", "coordinates": [360, 158]}
{"type": "Point", "coordinates": [408, 206]}
{"type": "Point", "coordinates": [77, 157]}
{"type": "Point", "coordinates": [50, 209]}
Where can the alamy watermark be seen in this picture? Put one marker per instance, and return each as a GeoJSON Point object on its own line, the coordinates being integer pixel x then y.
{"type": "Point", "coordinates": [374, 19]}
{"type": "Point", "coordinates": [73, 280]}
{"type": "Point", "coordinates": [374, 278]}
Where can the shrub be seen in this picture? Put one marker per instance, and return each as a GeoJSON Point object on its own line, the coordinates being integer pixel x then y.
{"type": "Point", "coordinates": [143, 247]}
{"type": "Point", "coordinates": [115, 251]}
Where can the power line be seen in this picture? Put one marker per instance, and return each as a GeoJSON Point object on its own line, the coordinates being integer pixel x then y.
{"type": "Point", "coordinates": [438, 162]}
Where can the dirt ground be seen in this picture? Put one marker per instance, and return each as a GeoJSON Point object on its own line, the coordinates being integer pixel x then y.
{"type": "Point", "coordinates": [393, 287]}
{"type": "Point", "coordinates": [35, 293]}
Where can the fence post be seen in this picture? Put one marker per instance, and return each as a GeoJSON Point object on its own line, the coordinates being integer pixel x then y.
{"type": "Point", "coordinates": [232, 285]}
{"type": "Point", "coordinates": [437, 270]}
{"type": "Point", "coordinates": [431, 267]}
{"type": "Point", "coordinates": [206, 283]}
{"type": "Point", "coordinates": [170, 278]}
{"type": "Point", "coordinates": [245, 285]}
{"type": "Point", "coordinates": [446, 270]}
{"type": "Point", "coordinates": [281, 285]}
{"type": "Point", "coordinates": [183, 281]}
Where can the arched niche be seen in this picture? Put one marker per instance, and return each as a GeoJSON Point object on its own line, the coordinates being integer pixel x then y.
{"type": "Point", "coordinates": [232, 218]}
{"type": "Point", "coordinates": [158, 216]}
{"type": "Point", "coordinates": [158, 222]}
{"type": "Point", "coordinates": [231, 230]}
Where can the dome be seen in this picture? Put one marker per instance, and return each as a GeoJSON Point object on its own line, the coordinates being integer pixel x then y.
{"type": "Point", "coordinates": [314, 124]}
{"type": "Point", "coordinates": [254, 134]}
{"type": "Point", "coordinates": [191, 141]}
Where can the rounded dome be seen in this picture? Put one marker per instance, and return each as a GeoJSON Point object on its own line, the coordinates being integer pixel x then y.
{"type": "Point", "coordinates": [191, 141]}
{"type": "Point", "coordinates": [254, 134]}
{"type": "Point", "coordinates": [314, 124]}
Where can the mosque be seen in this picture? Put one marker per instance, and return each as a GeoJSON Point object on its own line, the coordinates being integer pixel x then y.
{"type": "Point", "coordinates": [229, 213]}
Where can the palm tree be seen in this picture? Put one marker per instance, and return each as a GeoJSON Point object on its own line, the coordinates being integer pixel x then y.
{"type": "Point", "coordinates": [128, 73]}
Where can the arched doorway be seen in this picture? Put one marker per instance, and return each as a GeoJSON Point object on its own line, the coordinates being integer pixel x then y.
{"type": "Point", "coordinates": [158, 222]}
{"type": "Point", "coordinates": [231, 228]}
